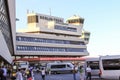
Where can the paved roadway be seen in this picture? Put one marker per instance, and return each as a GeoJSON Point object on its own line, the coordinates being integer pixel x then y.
{"type": "Point", "coordinates": [37, 76]}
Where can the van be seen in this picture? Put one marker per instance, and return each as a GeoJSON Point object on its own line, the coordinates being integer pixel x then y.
{"type": "Point", "coordinates": [110, 67]}
{"type": "Point", "coordinates": [60, 67]}
{"type": "Point", "coordinates": [21, 64]}
{"type": "Point", "coordinates": [94, 65]}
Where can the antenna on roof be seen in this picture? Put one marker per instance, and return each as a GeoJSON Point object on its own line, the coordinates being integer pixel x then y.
{"type": "Point", "coordinates": [27, 11]}
{"type": "Point", "coordinates": [50, 11]}
{"type": "Point", "coordinates": [32, 11]}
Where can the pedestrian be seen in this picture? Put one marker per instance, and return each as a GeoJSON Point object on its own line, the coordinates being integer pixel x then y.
{"type": "Point", "coordinates": [9, 72]}
{"type": "Point", "coordinates": [23, 71]}
{"type": "Point", "coordinates": [88, 70]}
{"type": "Point", "coordinates": [4, 72]}
{"type": "Point", "coordinates": [29, 75]}
{"type": "Point", "coordinates": [49, 71]}
{"type": "Point", "coordinates": [82, 73]}
{"type": "Point", "coordinates": [19, 75]}
{"type": "Point", "coordinates": [1, 74]}
{"type": "Point", "coordinates": [43, 74]}
{"type": "Point", "coordinates": [74, 73]}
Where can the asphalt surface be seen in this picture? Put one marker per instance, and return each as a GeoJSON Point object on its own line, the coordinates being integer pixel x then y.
{"type": "Point", "coordinates": [37, 76]}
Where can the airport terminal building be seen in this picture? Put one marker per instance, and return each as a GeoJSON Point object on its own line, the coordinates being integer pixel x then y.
{"type": "Point", "coordinates": [45, 36]}
{"type": "Point", "coordinates": [50, 36]}
{"type": "Point", "coordinates": [7, 31]}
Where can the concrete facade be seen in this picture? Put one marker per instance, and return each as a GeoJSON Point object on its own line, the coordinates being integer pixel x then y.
{"type": "Point", "coordinates": [49, 36]}
{"type": "Point", "coordinates": [7, 30]}
{"type": "Point", "coordinates": [85, 36]}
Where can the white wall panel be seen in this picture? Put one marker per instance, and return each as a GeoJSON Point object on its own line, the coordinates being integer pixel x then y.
{"type": "Point", "coordinates": [4, 51]}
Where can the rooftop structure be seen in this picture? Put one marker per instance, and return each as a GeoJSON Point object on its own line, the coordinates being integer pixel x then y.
{"type": "Point", "coordinates": [85, 36]}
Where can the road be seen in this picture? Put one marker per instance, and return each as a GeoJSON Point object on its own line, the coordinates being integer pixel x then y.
{"type": "Point", "coordinates": [37, 76]}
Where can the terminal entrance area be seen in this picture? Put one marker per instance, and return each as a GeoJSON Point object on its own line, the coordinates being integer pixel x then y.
{"type": "Point", "coordinates": [3, 62]}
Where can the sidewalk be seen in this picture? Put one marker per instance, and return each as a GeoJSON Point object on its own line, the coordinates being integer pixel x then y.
{"type": "Point", "coordinates": [8, 78]}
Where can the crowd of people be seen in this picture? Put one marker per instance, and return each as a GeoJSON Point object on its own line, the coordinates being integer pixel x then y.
{"type": "Point", "coordinates": [3, 73]}
{"type": "Point", "coordinates": [23, 74]}
{"type": "Point", "coordinates": [85, 74]}
{"type": "Point", "coordinates": [20, 74]}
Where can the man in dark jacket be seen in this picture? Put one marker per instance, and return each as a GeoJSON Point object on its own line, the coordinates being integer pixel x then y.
{"type": "Point", "coordinates": [1, 74]}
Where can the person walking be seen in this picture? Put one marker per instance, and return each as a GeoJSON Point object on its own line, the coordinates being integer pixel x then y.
{"type": "Point", "coordinates": [82, 73]}
{"type": "Point", "coordinates": [43, 74]}
{"type": "Point", "coordinates": [88, 70]}
{"type": "Point", "coordinates": [19, 75]}
{"type": "Point", "coordinates": [1, 74]}
{"type": "Point", "coordinates": [74, 72]}
{"type": "Point", "coordinates": [9, 71]}
{"type": "Point", "coordinates": [29, 74]}
{"type": "Point", "coordinates": [4, 72]}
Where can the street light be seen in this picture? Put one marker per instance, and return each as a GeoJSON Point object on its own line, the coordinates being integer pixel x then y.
{"type": "Point", "coordinates": [17, 19]}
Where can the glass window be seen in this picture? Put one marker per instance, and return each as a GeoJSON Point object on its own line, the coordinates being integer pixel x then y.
{"type": "Point", "coordinates": [57, 49]}
{"type": "Point", "coordinates": [93, 64]}
{"type": "Point", "coordinates": [69, 66]}
{"type": "Point", "coordinates": [58, 66]}
{"type": "Point", "coordinates": [111, 64]}
{"type": "Point", "coordinates": [33, 19]}
{"type": "Point", "coordinates": [65, 28]}
{"type": "Point", "coordinates": [31, 39]}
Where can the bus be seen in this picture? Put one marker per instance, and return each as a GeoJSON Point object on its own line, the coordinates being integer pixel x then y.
{"type": "Point", "coordinates": [94, 65]}
{"type": "Point", "coordinates": [110, 67]}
